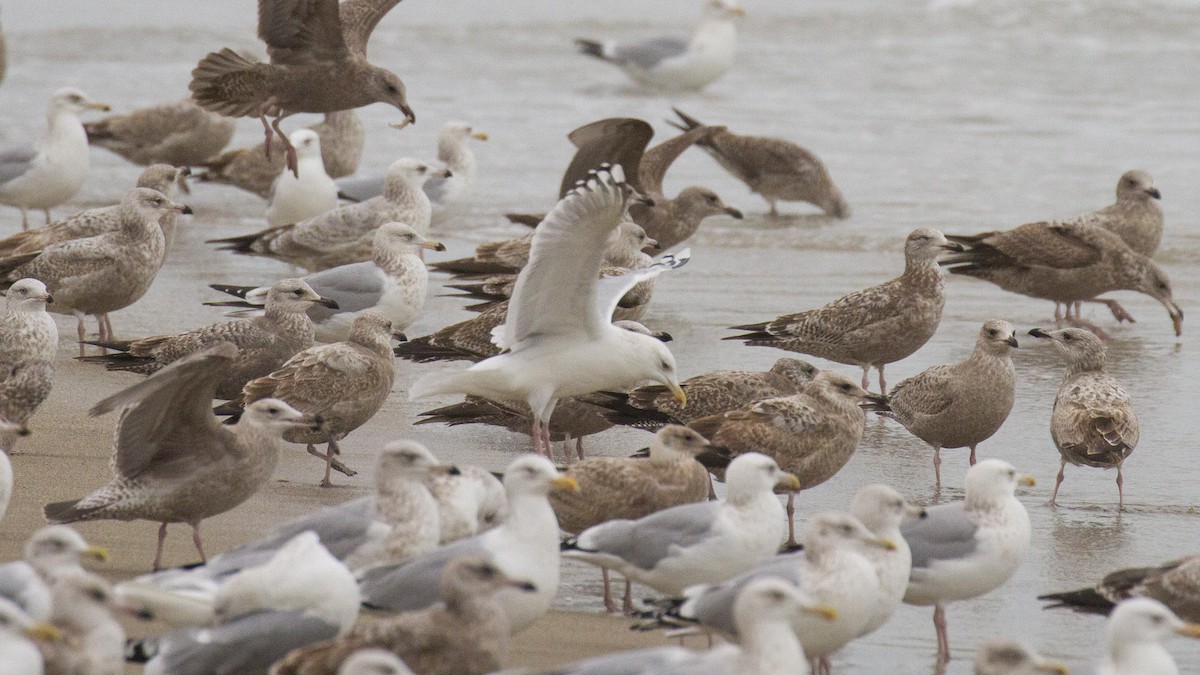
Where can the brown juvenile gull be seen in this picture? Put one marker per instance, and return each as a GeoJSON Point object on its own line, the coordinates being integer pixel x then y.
{"type": "Point", "coordinates": [454, 152]}
{"type": "Point", "coordinates": [27, 332]}
{"type": "Point", "coordinates": [49, 552]}
{"type": "Point", "coordinates": [576, 418]}
{"type": "Point", "coordinates": [344, 235]}
{"type": "Point", "coordinates": [264, 343]}
{"type": "Point", "coordinates": [22, 390]}
{"type": "Point", "coordinates": [392, 283]}
{"type": "Point", "coordinates": [162, 177]}
{"type": "Point", "coordinates": [632, 488]}
{"type": "Point", "coordinates": [344, 383]}
{"type": "Point", "coordinates": [774, 168]}
{"type": "Point", "coordinates": [50, 173]}
{"type": "Point", "coordinates": [1093, 423]}
{"type": "Point", "coordinates": [318, 64]}
{"type": "Point", "coordinates": [959, 405]}
{"type": "Point", "coordinates": [1176, 584]}
{"type": "Point", "coordinates": [812, 434]}
{"type": "Point", "coordinates": [1136, 216]}
{"type": "Point", "coordinates": [93, 641]}
{"type": "Point", "coordinates": [651, 407]}
{"type": "Point", "coordinates": [1065, 262]}
{"type": "Point", "coordinates": [342, 138]}
{"type": "Point", "coordinates": [466, 634]}
{"type": "Point", "coordinates": [101, 274]}
{"type": "Point", "coordinates": [872, 327]}
{"type": "Point", "coordinates": [1013, 658]}
{"type": "Point", "coordinates": [167, 431]}
{"type": "Point", "coordinates": [180, 133]}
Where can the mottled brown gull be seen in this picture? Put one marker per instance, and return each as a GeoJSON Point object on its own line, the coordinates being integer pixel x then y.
{"type": "Point", "coordinates": [471, 502]}
{"type": "Point", "coordinates": [1176, 584]}
{"type": "Point", "coordinates": [22, 390]}
{"type": "Point", "coordinates": [162, 177]}
{"type": "Point", "coordinates": [1093, 422]}
{"type": "Point", "coordinates": [264, 343]}
{"type": "Point", "coordinates": [466, 634]}
{"type": "Point", "coordinates": [393, 283]}
{"type": "Point", "coordinates": [1013, 658]}
{"type": "Point", "coordinates": [812, 434]}
{"type": "Point", "coordinates": [576, 418]}
{"type": "Point", "coordinates": [27, 332]}
{"type": "Point", "coordinates": [454, 152]}
{"type": "Point", "coordinates": [307, 193]}
{"type": "Point", "coordinates": [342, 138]}
{"type": "Point", "coordinates": [1136, 632]}
{"type": "Point", "coordinates": [632, 488]}
{"type": "Point", "coordinates": [50, 173]}
{"type": "Point", "coordinates": [93, 641]}
{"type": "Point", "coordinates": [1136, 216]}
{"type": "Point", "coordinates": [1064, 262]}
{"type": "Point", "coordinates": [179, 133]}
{"type": "Point", "coordinates": [774, 168]}
{"type": "Point", "coordinates": [49, 552]}
{"type": "Point", "coordinates": [344, 383]}
{"type": "Point", "coordinates": [959, 405]}
{"type": "Point", "coordinates": [872, 327]}
{"type": "Point", "coordinates": [102, 274]}
{"type": "Point", "coordinates": [344, 234]}
{"type": "Point", "coordinates": [652, 406]}
{"type": "Point", "coordinates": [167, 431]}
{"type": "Point", "coordinates": [318, 63]}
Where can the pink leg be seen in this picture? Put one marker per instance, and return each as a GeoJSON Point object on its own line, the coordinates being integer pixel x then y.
{"type": "Point", "coordinates": [80, 331]}
{"type": "Point", "coordinates": [196, 542]}
{"type": "Point", "coordinates": [162, 538]}
{"type": "Point", "coordinates": [47, 212]}
{"type": "Point", "coordinates": [791, 516]}
{"type": "Point", "coordinates": [972, 455]}
{"type": "Point", "coordinates": [1058, 319]}
{"type": "Point", "coordinates": [939, 623]}
{"type": "Point", "coordinates": [1062, 468]}
{"type": "Point", "coordinates": [289, 149]}
{"type": "Point", "coordinates": [1120, 490]}
{"type": "Point", "coordinates": [579, 447]}
{"type": "Point", "coordinates": [882, 382]}
{"type": "Point", "coordinates": [866, 382]}
{"type": "Point", "coordinates": [937, 466]}
{"type": "Point", "coordinates": [24, 219]}
{"type": "Point", "coordinates": [610, 606]}
{"type": "Point", "coordinates": [536, 433]}
{"type": "Point", "coordinates": [267, 133]}
{"type": "Point", "coordinates": [627, 599]}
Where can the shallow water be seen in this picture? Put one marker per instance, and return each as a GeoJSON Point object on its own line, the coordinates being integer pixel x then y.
{"type": "Point", "coordinates": [955, 115]}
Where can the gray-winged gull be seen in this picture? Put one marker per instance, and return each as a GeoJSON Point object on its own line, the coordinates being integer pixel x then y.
{"type": "Point", "coordinates": [677, 63]}
{"type": "Point", "coordinates": [18, 651]}
{"type": "Point", "coordinates": [1005, 657]}
{"type": "Point", "coordinates": [1093, 422]}
{"type": "Point", "coordinates": [27, 331]}
{"type": "Point", "coordinates": [179, 133]}
{"type": "Point", "coordinates": [393, 283]}
{"type": "Point", "coordinates": [1175, 583]}
{"type": "Point", "coordinates": [454, 152]}
{"type": "Point", "coordinates": [1136, 632]}
{"type": "Point", "coordinates": [964, 549]}
{"type": "Point", "coordinates": [93, 641]}
{"type": "Point", "coordinates": [318, 63]}
{"type": "Point", "coordinates": [50, 173]}
{"type": "Point", "coordinates": [264, 343]}
{"type": "Point", "coordinates": [307, 193]}
{"type": "Point", "coordinates": [173, 461]}
{"type": "Point", "coordinates": [558, 333]}
{"type": "Point", "coordinates": [525, 546]}
{"type": "Point", "coordinates": [963, 404]}
{"type": "Point", "coordinates": [872, 327]}
{"type": "Point", "coordinates": [466, 634]}
{"type": "Point", "coordinates": [50, 551]}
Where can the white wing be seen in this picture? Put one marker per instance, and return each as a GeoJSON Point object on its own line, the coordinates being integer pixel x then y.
{"type": "Point", "coordinates": [610, 290]}
{"type": "Point", "coordinates": [555, 293]}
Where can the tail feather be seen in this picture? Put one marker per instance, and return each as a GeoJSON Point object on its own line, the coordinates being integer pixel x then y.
{"type": "Point", "coordinates": [13, 262]}
{"type": "Point", "coordinates": [225, 82]}
{"type": "Point", "coordinates": [66, 512]}
{"type": "Point", "coordinates": [422, 350]}
{"type": "Point", "coordinates": [527, 219]}
{"type": "Point", "coordinates": [1085, 600]}
{"type": "Point", "coordinates": [235, 291]}
{"type": "Point", "coordinates": [618, 410]}
{"type": "Point", "coordinates": [472, 267]}
{"type": "Point", "coordinates": [591, 48]}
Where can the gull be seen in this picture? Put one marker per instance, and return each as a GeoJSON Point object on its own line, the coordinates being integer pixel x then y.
{"type": "Point", "coordinates": [173, 461]}
{"type": "Point", "coordinates": [8, 433]}
{"type": "Point", "coordinates": [677, 63]}
{"type": "Point", "coordinates": [344, 235]}
{"type": "Point", "coordinates": [343, 384]}
{"type": "Point", "coordinates": [524, 546]}
{"type": "Point", "coordinates": [774, 168]}
{"type": "Point", "coordinates": [50, 173]}
{"type": "Point", "coordinates": [24, 389]}
{"type": "Point", "coordinates": [1136, 632]}
{"type": "Point", "coordinates": [27, 332]}
{"type": "Point", "coordinates": [1066, 262]}
{"type": "Point", "coordinates": [1093, 422]}
{"type": "Point", "coordinates": [963, 404]}
{"type": "Point", "coordinates": [392, 283]}
{"type": "Point", "coordinates": [342, 138]}
{"type": "Point", "coordinates": [652, 406]}
{"type": "Point", "coordinates": [558, 335]}
{"type": "Point", "coordinates": [630, 488]}
{"type": "Point", "coordinates": [1175, 583]}
{"type": "Point", "coordinates": [93, 641]}
{"type": "Point", "coordinates": [454, 152]}
{"type": "Point", "coordinates": [373, 661]}
{"type": "Point", "coordinates": [179, 133]}
{"type": "Point", "coordinates": [102, 274]}
{"type": "Point", "coordinates": [18, 651]}
{"type": "Point", "coordinates": [1136, 216]}
{"type": "Point", "coordinates": [264, 343]}
{"type": "Point", "coordinates": [307, 193]}
{"type": "Point", "coordinates": [466, 634]}
{"type": "Point", "coordinates": [318, 64]}
{"type": "Point", "coordinates": [1013, 658]}
{"type": "Point", "coordinates": [49, 552]}
{"type": "Point", "coordinates": [964, 549]}
{"type": "Point", "coordinates": [872, 327]}
{"type": "Point", "coordinates": [300, 596]}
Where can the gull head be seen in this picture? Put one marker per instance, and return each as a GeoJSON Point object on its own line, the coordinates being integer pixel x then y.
{"type": "Point", "coordinates": [1144, 621]}
{"type": "Point", "coordinates": [992, 481]}
{"type": "Point", "coordinates": [675, 441]}
{"type": "Point", "coordinates": [700, 203]}
{"type": "Point", "coordinates": [881, 509]}
{"type": "Point", "coordinates": [28, 295]}
{"type": "Point", "coordinates": [833, 529]}
{"type": "Point", "coordinates": [1149, 278]}
{"type": "Point", "coordinates": [58, 546]}
{"type": "Point", "coordinates": [1000, 658]}
{"type": "Point", "coordinates": [773, 600]}
{"type": "Point", "coordinates": [630, 238]}
{"type": "Point", "coordinates": [307, 143]}
{"type": "Point", "coordinates": [397, 238]}
{"type": "Point", "coordinates": [797, 371]}
{"type": "Point", "coordinates": [410, 458]}
{"type": "Point", "coordinates": [385, 87]}
{"type": "Point", "coordinates": [754, 473]}
{"type": "Point", "coordinates": [657, 363]}
{"type": "Point", "coordinates": [295, 295]}
{"type": "Point", "coordinates": [832, 386]}
{"type": "Point", "coordinates": [163, 177]}
{"type": "Point", "coordinates": [411, 172]}
{"type": "Point", "coordinates": [1136, 184]}
{"type": "Point", "coordinates": [724, 9]}
{"type": "Point", "coordinates": [150, 205]}
{"type": "Point", "coordinates": [1084, 351]}
{"type": "Point", "coordinates": [374, 331]}
{"type": "Point", "coordinates": [457, 131]}
{"type": "Point", "coordinates": [533, 475]}
{"type": "Point", "coordinates": [71, 100]}
{"type": "Point", "coordinates": [14, 621]}
{"type": "Point", "coordinates": [277, 417]}
{"type": "Point", "coordinates": [923, 247]}
{"type": "Point", "coordinates": [477, 576]}
{"type": "Point", "coordinates": [997, 337]}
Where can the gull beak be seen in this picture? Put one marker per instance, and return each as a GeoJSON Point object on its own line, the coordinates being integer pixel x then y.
{"type": "Point", "coordinates": [43, 632]}
{"type": "Point", "coordinates": [1027, 480]}
{"type": "Point", "coordinates": [877, 399]}
{"type": "Point", "coordinates": [1153, 192]}
{"type": "Point", "coordinates": [1039, 333]}
{"type": "Point", "coordinates": [96, 552]}
{"type": "Point", "coordinates": [96, 105]}
{"type": "Point", "coordinates": [737, 11]}
{"type": "Point", "coordinates": [565, 483]}
{"type": "Point", "coordinates": [444, 470]}
{"type": "Point", "coordinates": [47, 297]}
{"type": "Point", "coordinates": [914, 511]}
{"type": "Point", "coordinates": [185, 209]}
{"type": "Point", "coordinates": [409, 117]}
{"type": "Point", "coordinates": [1012, 341]}
{"type": "Point", "coordinates": [480, 135]}
{"type": "Point", "coordinates": [952, 246]}
{"type": "Point", "coordinates": [445, 173]}
{"type": "Point", "coordinates": [735, 213]}
{"type": "Point", "coordinates": [433, 245]}
{"type": "Point", "coordinates": [885, 544]}
{"type": "Point", "coordinates": [827, 612]}
{"type": "Point", "coordinates": [1049, 666]}
{"type": "Point", "coordinates": [313, 422]}
{"type": "Point", "coordinates": [526, 586]}
{"type": "Point", "coordinates": [679, 394]}
{"type": "Point", "coordinates": [327, 302]}
{"type": "Point", "coordinates": [788, 482]}
{"type": "Point", "coordinates": [652, 244]}
{"type": "Point", "coordinates": [1191, 630]}
{"type": "Point", "coordinates": [399, 336]}
{"type": "Point", "coordinates": [1176, 316]}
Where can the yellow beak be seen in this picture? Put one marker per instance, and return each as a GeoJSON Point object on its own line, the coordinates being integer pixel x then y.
{"type": "Point", "coordinates": [565, 483]}
{"type": "Point", "coordinates": [827, 612]}
{"type": "Point", "coordinates": [1191, 630]}
{"type": "Point", "coordinates": [44, 632]}
{"type": "Point", "coordinates": [102, 107]}
{"type": "Point", "coordinates": [480, 135]}
{"type": "Point", "coordinates": [886, 544]}
{"type": "Point", "coordinates": [1027, 480]}
{"type": "Point", "coordinates": [788, 482]}
{"type": "Point", "coordinates": [1048, 666]}
{"type": "Point", "coordinates": [96, 552]}
{"type": "Point", "coordinates": [738, 11]}
{"type": "Point", "coordinates": [679, 393]}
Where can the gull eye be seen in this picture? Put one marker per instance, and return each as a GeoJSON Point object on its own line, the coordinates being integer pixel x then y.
{"type": "Point", "coordinates": [1068, 337]}
{"type": "Point", "coordinates": [847, 529]}
{"type": "Point", "coordinates": [273, 410]}
{"type": "Point", "coordinates": [98, 595]}
{"type": "Point", "coordinates": [1157, 619]}
{"type": "Point", "coordinates": [847, 387]}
